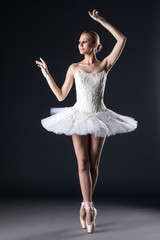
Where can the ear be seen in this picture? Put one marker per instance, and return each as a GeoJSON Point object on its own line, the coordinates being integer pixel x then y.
{"type": "Point", "coordinates": [95, 45]}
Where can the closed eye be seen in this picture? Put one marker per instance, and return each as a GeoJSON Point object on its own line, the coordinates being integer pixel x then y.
{"type": "Point", "coordinates": [85, 41]}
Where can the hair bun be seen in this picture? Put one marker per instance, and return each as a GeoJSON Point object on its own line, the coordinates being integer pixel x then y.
{"type": "Point", "coordinates": [99, 47]}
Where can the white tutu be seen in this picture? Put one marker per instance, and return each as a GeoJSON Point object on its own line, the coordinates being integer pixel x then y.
{"type": "Point", "coordinates": [88, 115]}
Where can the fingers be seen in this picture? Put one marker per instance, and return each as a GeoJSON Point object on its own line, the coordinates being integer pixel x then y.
{"type": "Point", "coordinates": [94, 13]}
{"type": "Point", "coordinates": [42, 60]}
{"type": "Point", "coordinates": [38, 62]}
{"type": "Point", "coordinates": [41, 64]}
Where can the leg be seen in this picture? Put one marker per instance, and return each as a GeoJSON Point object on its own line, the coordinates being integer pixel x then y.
{"type": "Point", "coordinates": [81, 146]}
{"type": "Point", "coordinates": [95, 151]}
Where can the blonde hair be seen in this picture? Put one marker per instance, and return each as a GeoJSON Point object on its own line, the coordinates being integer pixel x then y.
{"type": "Point", "coordinates": [96, 39]}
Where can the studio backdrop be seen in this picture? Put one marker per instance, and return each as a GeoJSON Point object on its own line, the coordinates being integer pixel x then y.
{"type": "Point", "coordinates": [35, 161]}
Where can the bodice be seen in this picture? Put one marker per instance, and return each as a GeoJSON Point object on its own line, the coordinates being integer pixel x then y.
{"type": "Point", "coordinates": [90, 91]}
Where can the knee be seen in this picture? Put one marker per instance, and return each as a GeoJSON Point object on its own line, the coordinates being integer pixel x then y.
{"type": "Point", "coordinates": [94, 168]}
{"type": "Point", "coordinates": [84, 165]}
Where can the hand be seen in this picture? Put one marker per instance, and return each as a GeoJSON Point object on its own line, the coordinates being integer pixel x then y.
{"type": "Point", "coordinates": [95, 15]}
{"type": "Point", "coordinates": [43, 67]}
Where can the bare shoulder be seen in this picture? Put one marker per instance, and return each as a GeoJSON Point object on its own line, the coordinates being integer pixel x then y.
{"type": "Point", "coordinates": [72, 69]}
{"type": "Point", "coordinates": [72, 66]}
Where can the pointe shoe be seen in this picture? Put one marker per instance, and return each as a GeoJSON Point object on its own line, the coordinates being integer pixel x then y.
{"type": "Point", "coordinates": [90, 227]}
{"type": "Point", "coordinates": [95, 213]}
{"type": "Point", "coordinates": [83, 222]}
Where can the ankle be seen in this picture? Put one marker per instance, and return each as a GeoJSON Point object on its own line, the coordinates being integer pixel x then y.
{"type": "Point", "coordinates": [88, 205]}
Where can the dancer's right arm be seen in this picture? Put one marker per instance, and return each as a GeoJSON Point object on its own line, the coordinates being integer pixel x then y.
{"type": "Point", "coordinates": [60, 93]}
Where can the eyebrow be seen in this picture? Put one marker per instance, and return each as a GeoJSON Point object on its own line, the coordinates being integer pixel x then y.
{"type": "Point", "coordinates": [84, 39]}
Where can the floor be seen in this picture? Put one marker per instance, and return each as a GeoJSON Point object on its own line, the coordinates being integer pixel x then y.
{"type": "Point", "coordinates": [49, 218]}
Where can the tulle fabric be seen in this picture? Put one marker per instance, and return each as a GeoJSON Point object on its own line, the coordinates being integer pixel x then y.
{"type": "Point", "coordinates": [68, 121]}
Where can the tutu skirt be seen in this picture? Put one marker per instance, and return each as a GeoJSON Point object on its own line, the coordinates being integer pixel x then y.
{"type": "Point", "coordinates": [68, 121]}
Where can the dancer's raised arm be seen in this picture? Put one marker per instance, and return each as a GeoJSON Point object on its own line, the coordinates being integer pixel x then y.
{"type": "Point", "coordinates": [62, 92]}
{"type": "Point", "coordinates": [121, 39]}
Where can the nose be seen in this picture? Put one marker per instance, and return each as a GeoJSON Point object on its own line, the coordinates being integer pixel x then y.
{"type": "Point", "coordinates": [80, 44]}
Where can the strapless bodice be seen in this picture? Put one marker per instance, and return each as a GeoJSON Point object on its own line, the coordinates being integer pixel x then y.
{"type": "Point", "coordinates": [90, 91]}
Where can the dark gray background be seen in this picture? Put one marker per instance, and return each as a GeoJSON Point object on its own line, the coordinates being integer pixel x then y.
{"type": "Point", "coordinates": [35, 161]}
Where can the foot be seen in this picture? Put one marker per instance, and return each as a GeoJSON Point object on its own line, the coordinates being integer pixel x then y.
{"type": "Point", "coordinates": [95, 212]}
{"type": "Point", "coordinates": [89, 216]}
{"type": "Point", "coordinates": [82, 211]}
{"type": "Point", "coordinates": [83, 215]}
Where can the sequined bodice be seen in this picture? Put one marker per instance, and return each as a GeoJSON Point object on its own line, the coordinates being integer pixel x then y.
{"type": "Point", "coordinates": [90, 91]}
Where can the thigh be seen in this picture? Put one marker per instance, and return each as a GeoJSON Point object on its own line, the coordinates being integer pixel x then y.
{"type": "Point", "coordinates": [81, 146]}
{"type": "Point", "coordinates": [95, 150]}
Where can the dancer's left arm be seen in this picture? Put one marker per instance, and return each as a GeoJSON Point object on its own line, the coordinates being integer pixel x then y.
{"type": "Point", "coordinates": [121, 39]}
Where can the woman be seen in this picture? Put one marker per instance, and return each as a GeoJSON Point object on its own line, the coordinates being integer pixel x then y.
{"type": "Point", "coordinates": [88, 121]}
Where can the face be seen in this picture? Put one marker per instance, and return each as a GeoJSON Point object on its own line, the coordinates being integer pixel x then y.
{"type": "Point", "coordinates": [86, 44]}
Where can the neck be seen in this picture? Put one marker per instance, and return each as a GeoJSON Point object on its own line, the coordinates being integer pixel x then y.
{"type": "Point", "coordinates": [90, 59]}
